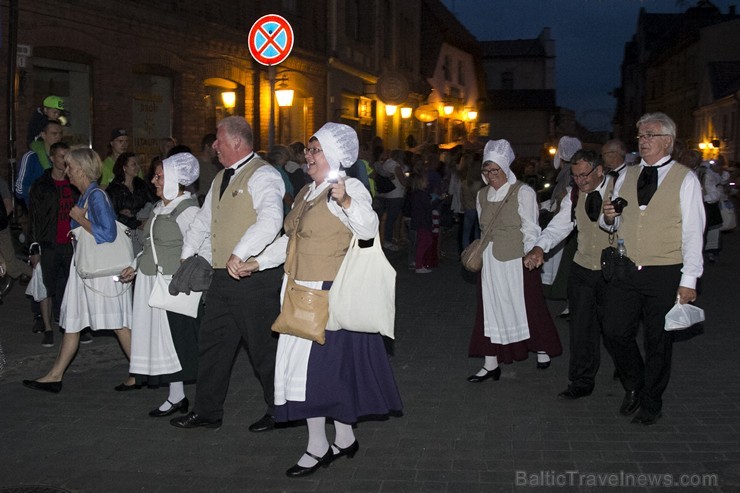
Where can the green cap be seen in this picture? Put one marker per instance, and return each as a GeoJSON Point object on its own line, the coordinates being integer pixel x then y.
{"type": "Point", "coordinates": [54, 102]}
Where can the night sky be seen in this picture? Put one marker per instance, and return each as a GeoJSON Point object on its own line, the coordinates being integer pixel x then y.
{"type": "Point", "coordinates": [589, 41]}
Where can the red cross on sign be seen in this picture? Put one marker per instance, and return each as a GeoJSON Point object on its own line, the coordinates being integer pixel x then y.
{"type": "Point", "coordinates": [270, 39]}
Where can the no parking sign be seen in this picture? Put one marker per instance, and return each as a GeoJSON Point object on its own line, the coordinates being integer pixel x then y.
{"type": "Point", "coordinates": [270, 39]}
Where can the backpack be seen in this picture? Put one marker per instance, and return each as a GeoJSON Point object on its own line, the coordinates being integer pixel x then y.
{"type": "Point", "coordinates": [383, 184]}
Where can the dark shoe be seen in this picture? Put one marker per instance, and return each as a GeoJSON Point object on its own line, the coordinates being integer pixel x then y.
{"type": "Point", "coordinates": [38, 325]}
{"type": "Point", "coordinates": [630, 403]}
{"type": "Point", "coordinates": [53, 387]}
{"type": "Point", "coordinates": [266, 423]}
{"type": "Point", "coordinates": [125, 388]}
{"type": "Point", "coordinates": [298, 471]}
{"type": "Point", "coordinates": [86, 337]}
{"type": "Point", "coordinates": [348, 451]}
{"type": "Point", "coordinates": [573, 393]}
{"type": "Point", "coordinates": [543, 366]}
{"type": "Point", "coordinates": [495, 374]}
{"type": "Point", "coordinates": [192, 420]}
{"type": "Point", "coordinates": [181, 406]}
{"type": "Point", "coordinates": [48, 340]}
{"type": "Point", "coordinates": [646, 418]}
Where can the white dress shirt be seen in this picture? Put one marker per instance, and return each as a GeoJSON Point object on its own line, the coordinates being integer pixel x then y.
{"type": "Point", "coordinates": [692, 218]}
{"type": "Point", "coordinates": [267, 190]}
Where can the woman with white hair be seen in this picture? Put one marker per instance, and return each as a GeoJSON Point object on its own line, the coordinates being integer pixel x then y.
{"type": "Point", "coordinates": [164, 344]}
{"type": "Point", "coordinates": [512, 318]}
{"type": "Point", "coordinates": [100, 303]}
{"type": "Point", "coordinates": [350, 375]}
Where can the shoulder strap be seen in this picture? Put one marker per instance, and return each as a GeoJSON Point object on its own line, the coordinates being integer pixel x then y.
{"type": "Point", "coordinates": [513, 188]}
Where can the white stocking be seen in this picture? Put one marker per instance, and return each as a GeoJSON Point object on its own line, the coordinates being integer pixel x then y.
{"type": "Point", "coordinates": [345, 435]}
{"type": "Point", "coordinates": [490, 363]}
{"type": "Point", "coordinates": [317, 442]}
{"type": "Point", "coordinates": [542, 357]}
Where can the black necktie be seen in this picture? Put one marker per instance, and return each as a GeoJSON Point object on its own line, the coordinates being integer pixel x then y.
{"type": "Point", "coordinates": [647, 183]}
{"type": "Point", "coordinates": [614, 174]}
{"type": "Point", "coordinates": [228, 173]}
{"type": "Point", "coordinates": [593, 205]}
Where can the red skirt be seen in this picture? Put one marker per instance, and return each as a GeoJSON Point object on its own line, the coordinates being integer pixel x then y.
{"type": "Point", "coordinates": [543, 335]}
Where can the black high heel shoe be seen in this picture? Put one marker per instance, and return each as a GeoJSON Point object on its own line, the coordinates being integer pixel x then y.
{"type": "Point", "coordinates": [299, 471]}
{"type": "Point", "coordinates": [495, 374]}
{"type": "Point", "coordinates": [348, 451]}
{"type": "Point", "coordinates": [181, 406]}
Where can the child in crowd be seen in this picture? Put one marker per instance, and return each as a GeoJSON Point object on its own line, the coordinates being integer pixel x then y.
{"type": "Point", "coordinates": [421, 221]}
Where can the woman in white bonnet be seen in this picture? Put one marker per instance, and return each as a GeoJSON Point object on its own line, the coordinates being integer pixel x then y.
{"type": "Point", "coordinates": [350, 375]}
{"type": "Point", "coordinates": [512, 319]}
{"type": "Point", "coordinates": [164, 345]}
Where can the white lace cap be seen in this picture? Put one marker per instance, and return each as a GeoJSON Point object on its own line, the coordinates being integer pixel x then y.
{"type": "Point", "coordinates": [180, 169]}
{"type": "Point", "coordinates": [501, 153]}
{"type": "Point", "coordinates": [339, 143]}
{"type": "Point", "coordinates": [566, 148]}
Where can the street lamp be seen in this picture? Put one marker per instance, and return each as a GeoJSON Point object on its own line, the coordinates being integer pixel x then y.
{"type": "Point", "coordinates": [390, 109]}
{"type": "Point", "coordinates": [406, 112]}
{"type": "Point", "coordinates": [229, 99]}
{"type": "Point", "coordinates": [284, 96]}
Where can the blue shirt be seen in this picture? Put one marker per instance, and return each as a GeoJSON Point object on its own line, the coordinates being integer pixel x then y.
{"type": "Point", "coordinates": [100, 213]}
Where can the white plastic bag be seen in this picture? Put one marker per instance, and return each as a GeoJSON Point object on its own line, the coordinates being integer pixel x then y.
{"type": "Point", "coordinates": [729, 220]}
{"type": "Point", "coordinates": [683, 316]}
{"type": "Point", "coordinates": [36, 288]}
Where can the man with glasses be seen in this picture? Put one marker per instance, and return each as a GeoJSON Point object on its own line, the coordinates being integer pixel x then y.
{"type": "Point", "coordinates": [241, 215]}
{"type": "Point", "coordinates": [581, 207]}
{"type": "Point", "coordinates": [662, 231]}
{"type": "Point", "coordinates": [613, 153]}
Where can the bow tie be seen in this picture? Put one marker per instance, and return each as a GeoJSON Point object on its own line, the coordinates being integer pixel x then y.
{"type": "Point", "coordinates": [647, 183]}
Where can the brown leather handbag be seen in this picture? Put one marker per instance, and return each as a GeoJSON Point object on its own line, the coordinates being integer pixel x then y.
{"type": "Point", "coordinates": [304, 314]}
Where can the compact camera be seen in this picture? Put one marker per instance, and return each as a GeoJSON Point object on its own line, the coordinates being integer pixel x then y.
{"type": "Point", "coordinates": [619, 204]}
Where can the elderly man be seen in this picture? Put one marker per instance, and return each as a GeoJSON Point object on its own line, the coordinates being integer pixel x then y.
{"type": "Point", "coordinates": [241, 215]}
{"type": "Point", "coordinates": [585, 282]}
{"type": "Point", "coordinates": [613, 153]}
{"type": "Point", "coordinates": [662, 230]}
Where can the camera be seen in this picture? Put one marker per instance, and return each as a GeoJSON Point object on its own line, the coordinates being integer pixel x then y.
{"type": "Point", "coordinates": [619, 204]}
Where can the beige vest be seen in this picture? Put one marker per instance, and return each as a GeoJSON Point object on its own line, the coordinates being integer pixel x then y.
{"type": "Point", "coordinates": [653, 236]}
{"type": "Point", "coordinates": [506, 236]}
{"type": "Point", "coordinates": [318, 240]}
{"type": "Point", "coordinates": [233, 214]}
{"type": "Point", "coordinates": [591, 238]}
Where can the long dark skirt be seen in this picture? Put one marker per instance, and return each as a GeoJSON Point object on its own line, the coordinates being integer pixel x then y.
{"type": "Point", "coordinates": [348, 377]}
{"type": "Point", "coordinates": [543, 335]}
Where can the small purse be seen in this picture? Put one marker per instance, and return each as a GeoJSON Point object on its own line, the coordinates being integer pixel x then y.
{"type": "Point", "coordinates": [304, 313]}
{"type": "Point", "coordinates": [184, 304]}
{"type": "Point", "coordinates": [94, 259]}
{"type": "Point", "coordinates": [472, 257]}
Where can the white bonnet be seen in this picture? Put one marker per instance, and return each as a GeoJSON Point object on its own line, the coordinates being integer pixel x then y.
{"type": "Point", "coordinates": [339, 143]}
{"type": "Point", "coordinates": [180, 169]}
{"type": "Point", "coordinates": [501, 153]}
{"type": "Point", "coordinates": [566, 148]}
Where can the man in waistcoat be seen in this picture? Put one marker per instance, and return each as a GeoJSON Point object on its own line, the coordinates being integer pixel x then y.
{"type": "Point", "coordinates": [581, 208]}
{"type": "Point", "coordinates": [241, 215]}
{"type": "Point", "coordinates": [662, 230]}
{"type": "Point", "coordinates": [613, 152]}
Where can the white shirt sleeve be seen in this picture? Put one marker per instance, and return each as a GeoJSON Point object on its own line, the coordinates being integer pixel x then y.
{"type": "Point", "coordinates": [197, 239]}
{"type": "Point", "coordinates": [267, 190]}
{"type": "Point", "coordinates": [559, 227]}
{"type": "Point", "coordinates": [692, 230]}
{"type": "Point", "coordinates": [528, 210]}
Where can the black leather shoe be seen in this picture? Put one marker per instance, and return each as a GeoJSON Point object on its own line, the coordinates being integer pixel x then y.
{"type": "Point", "coordinates": [573, 393]}
{"type": "Point", "coordinates": [298, 471]}
{"type": "Point", "coordinates": [266, 423]}
{"type": "Point", "coordinates": [181, 406]}
{"type": "Point", "coordinates": [192, 420]}
{"type": "Point", "coordinates": [53, 387]}
{"type": "Point", "coordinates": [646, 418]}
{"type": "Point", "coordinates": [495, 374]}
{"type": "Point", "coordinates": [125, 388]}
{"type": "Point", "coordinates": [543, 366]}
{"type": "Point", "coordinates": [348, 451]}
{"type": "Point", "coordinates": [630, 403]}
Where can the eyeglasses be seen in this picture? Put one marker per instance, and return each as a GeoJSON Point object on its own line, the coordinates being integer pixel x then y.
{"type": "Point", "coordinates": [650, 136]}
{"type": "Point", "coordinates": [492, 171]}
{"type": "Point", "coordinates": [583, 176]}
{"type": "Point", "coordinates": [312, 150]}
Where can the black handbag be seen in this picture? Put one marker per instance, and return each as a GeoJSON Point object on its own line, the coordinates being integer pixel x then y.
{"type": "Point", "coordinates": [615, 266]}
{"type": "Point", "coordinates": [713, 214]}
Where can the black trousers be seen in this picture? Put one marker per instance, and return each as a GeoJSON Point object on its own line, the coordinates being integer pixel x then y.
{"type": "Point", "coordinates": [645, 296]}
{"type": "Point", "coordinates": [237, 311]}
{"type": "Point", "coordinates": [55, 260]}
{"type": "Point", "coordinates": [585, 293]}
